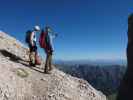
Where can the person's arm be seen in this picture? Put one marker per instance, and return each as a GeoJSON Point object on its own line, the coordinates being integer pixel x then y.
{"type": "Point", "coordinates": [31, 38]}
{"type": "Point", "coordinates": [53, 34]}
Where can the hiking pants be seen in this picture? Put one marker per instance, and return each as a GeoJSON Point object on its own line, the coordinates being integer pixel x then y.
{"type": "Point", "coordinates": [33, 52]}
{"type": "Point", "coordinates": [48, 63]}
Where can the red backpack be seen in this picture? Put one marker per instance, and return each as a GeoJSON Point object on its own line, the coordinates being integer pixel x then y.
{"type": "Point", "coordinates": [42, 39]}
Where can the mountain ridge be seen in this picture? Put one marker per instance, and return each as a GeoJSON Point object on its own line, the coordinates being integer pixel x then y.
{"type": "Point", "coordinates": [93, 62]}
{"type": "Point", "coordinates": [18, 81]}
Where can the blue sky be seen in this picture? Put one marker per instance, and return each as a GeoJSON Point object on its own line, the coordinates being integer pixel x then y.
{"type": "Point", "coordinates": [87, 29]}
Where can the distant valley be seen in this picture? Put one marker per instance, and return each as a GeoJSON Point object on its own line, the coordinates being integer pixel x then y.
{"type": "Point", "coordinates": [104, 76]}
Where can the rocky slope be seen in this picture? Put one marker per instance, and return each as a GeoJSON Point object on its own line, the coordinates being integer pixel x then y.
{"type": "Point", "coordinates": [18, 81]}
{"type": "Point", "coordinates": [105, 78]}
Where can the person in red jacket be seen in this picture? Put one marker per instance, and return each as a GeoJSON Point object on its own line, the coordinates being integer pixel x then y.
{"type": "Point", "coordinates": [49, 49]}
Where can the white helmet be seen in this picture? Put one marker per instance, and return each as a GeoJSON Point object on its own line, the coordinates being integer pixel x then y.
{"type": "Point", "coordinates": [37, 28]}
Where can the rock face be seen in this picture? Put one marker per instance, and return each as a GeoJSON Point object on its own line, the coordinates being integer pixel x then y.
{"type": "Point", "coordinates": [18, 81]}
{"type": "Point", "coordinates": [126, 88]}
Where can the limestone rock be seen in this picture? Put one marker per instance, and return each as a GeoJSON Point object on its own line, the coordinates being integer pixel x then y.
{"type": "Point", "coordinates": [36, 85]}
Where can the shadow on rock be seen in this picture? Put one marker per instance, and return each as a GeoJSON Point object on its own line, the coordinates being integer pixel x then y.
{"type": "Point", "coordinates": [11, 56]}
{"type": "Point", "coordinates": [14, 58]}
{"type": "Point", "coordinates": [17, 59]}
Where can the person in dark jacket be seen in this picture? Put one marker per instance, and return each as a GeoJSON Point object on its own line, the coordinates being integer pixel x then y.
{"type": "Point", "coordinates": [32, 46]}
{"type": "Point", "coordinates": [49, 49]}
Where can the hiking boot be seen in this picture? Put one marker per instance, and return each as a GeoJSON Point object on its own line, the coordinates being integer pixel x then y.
{"type": "Point", "coordinates": [47, 71]}
{"type": "Point", "coordinates": [51, 68]}
{"type": "Point", "coordinates": [32, 65]}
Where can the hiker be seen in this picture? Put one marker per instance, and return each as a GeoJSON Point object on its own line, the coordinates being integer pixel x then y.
{"type": "Point", "coordinates": [31, 41]}
{"type": "Point", "coordinates": [46, 42]}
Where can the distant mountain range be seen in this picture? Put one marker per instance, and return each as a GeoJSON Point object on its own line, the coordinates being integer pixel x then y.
{"type": "Point", "coordinates": [105, 78]}
{"type": "Point", "coordinates": [104, 75]}
{"type": "Point", "coordinates": [92, 62]}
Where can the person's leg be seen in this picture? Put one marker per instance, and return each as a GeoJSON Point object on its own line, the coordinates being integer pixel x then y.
{"type": "Point", "coordinates": [50, 62]}
{"type": "Point", "coordinates": [36, 53]}
{"type": "Point", "coordinates": [33, 54]}
{"type": "Point", "coordinates": [30, 55]}
{"type": "Point", "coordinates": [33, 58]}
{"type": "Point", "coordinates": [30, 61]}
{"type": "Point", "coordinates": [46, 64]}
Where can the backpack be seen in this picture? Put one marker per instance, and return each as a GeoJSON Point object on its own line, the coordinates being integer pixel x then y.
{"type": "Point", "coordinates": [37, 59]}
{"type": "Point", "coordinates": [43, 39]}
{"type": "Point", "coordinates": [27, 37]}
